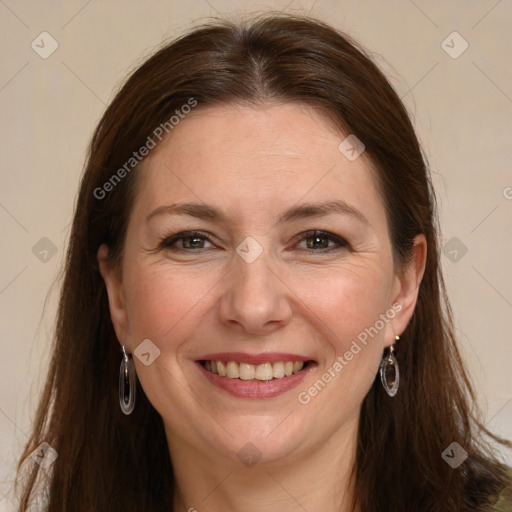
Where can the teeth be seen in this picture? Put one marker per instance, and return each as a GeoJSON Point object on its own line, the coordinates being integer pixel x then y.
{"type": "Point", "coordinates": [264, 371]}
{"type": "Point", "coordinates": [221, 368]}
{"type": "Point", "coordinates": [233, 370]}
{"type": "Point", "coordinates": [246, 371]}
{"type": "Point", "coordinates": [278, 370]}
{"type": "Point", "coordinates": [297, 366]}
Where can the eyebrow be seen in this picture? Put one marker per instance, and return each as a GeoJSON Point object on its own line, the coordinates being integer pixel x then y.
{"type": "Point", "coordinates": [303, 211]}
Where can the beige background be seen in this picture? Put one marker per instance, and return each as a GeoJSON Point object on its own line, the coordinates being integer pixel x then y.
{"type": "Point", "coordinates": [462, 108]}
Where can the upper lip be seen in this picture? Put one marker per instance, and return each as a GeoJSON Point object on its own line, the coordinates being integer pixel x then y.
{"type": "Point", "coordinates": [243, 357]}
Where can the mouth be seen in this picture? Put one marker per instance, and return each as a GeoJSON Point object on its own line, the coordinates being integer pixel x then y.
{"type": "Point", "coordinates": [255, 376]}
{"type": "Point", "coordinates": [261, 372]}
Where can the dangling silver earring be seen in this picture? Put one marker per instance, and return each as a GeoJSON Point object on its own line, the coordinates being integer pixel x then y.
{"type": "Point", "coordinates": [127, 384]}
{"type": "Point", "coordinates": [388, 365]}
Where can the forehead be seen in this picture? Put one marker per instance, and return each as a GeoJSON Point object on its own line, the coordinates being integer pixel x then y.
{"type": "Point", "coordinates": [250, 158]}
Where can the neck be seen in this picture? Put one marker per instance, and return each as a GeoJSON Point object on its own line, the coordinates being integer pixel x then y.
{"type": "Point", "coordinates": [316, 481]}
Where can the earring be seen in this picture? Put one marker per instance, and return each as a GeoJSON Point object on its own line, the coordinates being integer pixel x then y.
{"type": "Point", "coordinates": [127, 384]}
{"type": "Point", "coordinates": [389, 365]}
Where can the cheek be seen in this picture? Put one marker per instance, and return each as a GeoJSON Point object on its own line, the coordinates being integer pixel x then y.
{"type": "Point", "coordinates": [352, 309]}
{"type": "Point", "coordinates": [347, 300]}
{"type": "Point", "coordinates": [163, 304]}
{"type": "Point", "coordinates": [348, 305]}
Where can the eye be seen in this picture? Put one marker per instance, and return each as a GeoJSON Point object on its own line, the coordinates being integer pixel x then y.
{"type": "Point", "coordinates": [187, 240]}
{"type": "Point", "coordinates": [318, 241]}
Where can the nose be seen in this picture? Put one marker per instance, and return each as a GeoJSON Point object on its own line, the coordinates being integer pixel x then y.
{"type": "Point", "coordinates": [255, 299]}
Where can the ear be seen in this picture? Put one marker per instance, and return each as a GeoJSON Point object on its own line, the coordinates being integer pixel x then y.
{"type": "Point", "coordinates": [406, 287]}
{"type": "Point", "coordinates": [116, 297]}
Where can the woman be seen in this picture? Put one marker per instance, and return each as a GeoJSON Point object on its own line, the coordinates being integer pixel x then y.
{"type": "Point", "coordinates": [253, 315]}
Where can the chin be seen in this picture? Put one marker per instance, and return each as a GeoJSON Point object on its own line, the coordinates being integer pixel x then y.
{"type": "Point", "coordinates": [263, 440]}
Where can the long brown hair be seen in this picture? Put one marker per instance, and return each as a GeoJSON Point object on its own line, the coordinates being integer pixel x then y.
{"type": "Point", "coordinates": [107, 460]}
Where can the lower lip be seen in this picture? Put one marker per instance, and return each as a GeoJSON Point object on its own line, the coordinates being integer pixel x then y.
{"type": "Point", "coordinates": [256, 388]}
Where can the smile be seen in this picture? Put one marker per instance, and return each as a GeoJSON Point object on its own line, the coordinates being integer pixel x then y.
{"type": "Point", "coordinates": [247, 371]}
{"type": "Point", "coordinates": [255, 376]}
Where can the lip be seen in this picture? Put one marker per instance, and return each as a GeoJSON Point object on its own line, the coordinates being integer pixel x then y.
{"type": "Point", "coordinates": [256, 389]}
{"type": "Point", "coordinates": [243, 357]}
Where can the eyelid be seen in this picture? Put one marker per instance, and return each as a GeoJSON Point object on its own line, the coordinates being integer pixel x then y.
{"type": "Point", "coordinates": [168, 241]}
{"type": "Point", "coordinates": [339, 240]}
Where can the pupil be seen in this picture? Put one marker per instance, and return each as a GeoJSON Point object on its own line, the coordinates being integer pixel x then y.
{"type": "Point", "coordinates": [316, 239]}
{"type": "Point", "coordinates": [193, 241]}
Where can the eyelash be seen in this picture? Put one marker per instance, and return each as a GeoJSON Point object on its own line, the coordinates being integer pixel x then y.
{"type": "Point", "coordinates": [168, 243]}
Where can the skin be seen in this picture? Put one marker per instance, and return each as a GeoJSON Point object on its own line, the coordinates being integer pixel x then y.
{"type": "Point", "coordinates": [253, 163]}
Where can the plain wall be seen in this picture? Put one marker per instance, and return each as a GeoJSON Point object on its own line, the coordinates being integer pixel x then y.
{"type": "Point", "coordinates": [462, 108]}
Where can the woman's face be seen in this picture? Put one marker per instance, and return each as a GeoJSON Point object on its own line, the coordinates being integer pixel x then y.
{"type": "Point", "coordinates": [254, 284]}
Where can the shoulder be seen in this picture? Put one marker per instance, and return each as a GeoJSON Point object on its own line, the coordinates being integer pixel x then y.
{"type": "Point", "coordinates": [504, 501]}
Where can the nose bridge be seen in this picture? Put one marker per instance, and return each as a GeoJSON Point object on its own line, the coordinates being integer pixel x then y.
{"type": "Point", "coordinates": [253, 272]}
{"type": "Point", "coordinates": [254, 295]}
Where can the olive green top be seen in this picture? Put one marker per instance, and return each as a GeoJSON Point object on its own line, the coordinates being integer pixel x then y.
{"type": "Point", "coordinates": [504, 503]}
